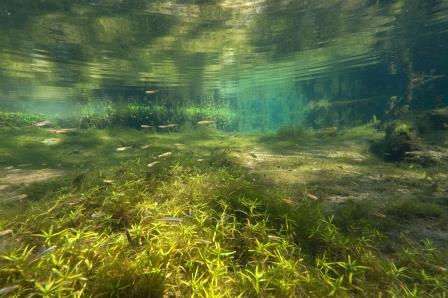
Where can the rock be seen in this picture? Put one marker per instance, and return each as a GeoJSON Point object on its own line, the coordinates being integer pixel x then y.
{"type": "Point", "coordinates": [401, 137]}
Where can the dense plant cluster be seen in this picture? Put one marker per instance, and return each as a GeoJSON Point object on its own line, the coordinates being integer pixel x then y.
{"type": "Point", "coordinates": [17, 119]}
{"type": "Point", "coordinates": [184, 228]}
{"type": "Point", "coordinates": [131, 115]}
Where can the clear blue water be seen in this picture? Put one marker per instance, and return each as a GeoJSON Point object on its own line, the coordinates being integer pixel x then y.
{"type": "Point", "coordinates": [266, 62]}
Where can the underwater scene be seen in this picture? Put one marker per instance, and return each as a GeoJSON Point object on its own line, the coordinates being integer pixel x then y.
{"type": "Point", "coordinates": [223, 148]}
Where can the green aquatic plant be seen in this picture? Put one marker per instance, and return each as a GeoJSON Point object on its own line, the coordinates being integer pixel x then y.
{"type": "Point", "coordinates": [135, 114]}
{"type": "Point", "coordinates": [18, 119]}
{"type": "Point", "coordinates": [190, 226]}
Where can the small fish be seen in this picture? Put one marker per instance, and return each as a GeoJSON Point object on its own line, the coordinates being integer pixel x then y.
{"type": "Point", "coordinates": [42, 123]}
{"type": "Point", "coordinates": [252, 154]}
{"type": "Point", "coordinates": [77, 201]}
{"type": "Point", "coordinates": [45, 252]}
{"type": "Point", "coordinates": [6, 233]}
{"type": "Point", "coordinates": [152, 164]}
{"type": "Point", "coordinates": [170, 219]}
{"type": "Point", "coordinates": [166, 154]}
{"type": "Point", "coordinates": [9, 168]}
{"type": "Point", "coordinates": [439, 268]}
{"type": "Point", "coordinates": [51, 141]}
{"type": "Point", "coordinates": [145, 146]}
{"type": "Point", "coordinates": [289, 202]}
{"type": "Point", "coordinates": [18, 197]}
{"type": "Point", "coordinates": [121, 149]}
{"type": "Point", "coordinates": [151, 91]}
{"type": "Point", "coordinates": [172, 125]}
{"type": "Point", "coordinates": [148, 213]}
{"type": "Point", "coordinates": [200, 159]}
{"type": "Point", "coordinates": [97, 214]}
{"type": "Point", "coordinates": [312, 197]}
{"type": "Point", "coordinates": [380, 215]}
{"type": "Point", "coordinates": [329, 129]}
{"type": "Point", "coordinates": [108, 181]}
{"type": "Point", "coordinates": [208, 242]}
{"type": "Point", "coordinates": [7, 290]}
{"type": "Point", "coordinates": [206, 122]}
{"type": "Point", "coordinates": [144, 126]}
{"type": "Point", "coordinates": [61, 130]}
{"type": "Point", "coordinates": [273, 237]}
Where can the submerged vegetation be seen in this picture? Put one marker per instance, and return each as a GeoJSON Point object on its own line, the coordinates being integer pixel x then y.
{"type": "Point", "coordinates": [127, 115]}
{"type": "Point", "coordinates": [140, 222]}
{"type": "Point", "coordinates": [223, 148]}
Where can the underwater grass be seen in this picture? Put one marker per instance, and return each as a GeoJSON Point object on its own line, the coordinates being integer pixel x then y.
{"type": "Point", "coordinates": [189, 228]}
{"type": "Point", "coordinates": [18, 119]}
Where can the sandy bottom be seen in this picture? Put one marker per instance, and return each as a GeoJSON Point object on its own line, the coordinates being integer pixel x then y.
{"type": "Point", "coordinates": [11, 179]}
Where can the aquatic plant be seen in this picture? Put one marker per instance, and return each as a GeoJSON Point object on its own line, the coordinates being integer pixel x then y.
{"type": "Point", "coordinates": [135, 114]}
{"type": "Point", "coordinates": [18, 119]}
{"type": "Point", "coordinates": [189, 228]}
